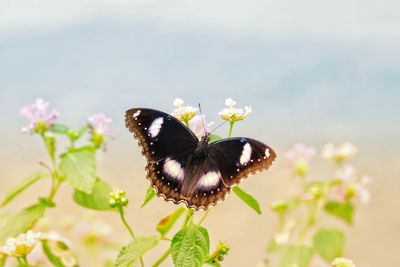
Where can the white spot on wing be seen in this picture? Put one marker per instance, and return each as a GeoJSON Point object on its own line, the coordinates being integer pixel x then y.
{"type": "Point", "coordinates": [210, 179]}
{"type": "Point", "coordinates": [155, 127]}
{"type": "Point", "coordinates": [137, 113]}
{"type": "Point", "coordinates": [246, 154]}
{"type": "Point", "coordinates": [267, 154]}
{"type": "Point", "coordinates": [173, 169]}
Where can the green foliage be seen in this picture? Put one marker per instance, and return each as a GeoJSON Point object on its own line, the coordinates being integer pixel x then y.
{"type": "Point", "coordinates": [214, 137]}
{"type": "Point", "coordinates": [58, 253]}
{"type": "Point", "coordinates": [190, 246]}
{"type": "Point", "coordinates": [21, 221]}
{"type": "Point", "coordinates": [59, 128]}
{"type": "Point", "coordinates": [150, 194]}
{"type": "Point", "coordinates": [329, 243]}
{"type": "Point", "coordinates": [135, 249]}
{"type": "Point", "coordinates": [79, 169]}
{"type": "Point", "coordinates": [167, 222]}
{"type": "Point", "coordinates": [297, 255]}
{"type": "Point", "coordinates": [97, 199]}
{"type": "Point", "coordinates": [247, 198]}
{"type": "Point", "coordinates": [21, 186]}
{"type": "Point", "coordinates": [343, 211]}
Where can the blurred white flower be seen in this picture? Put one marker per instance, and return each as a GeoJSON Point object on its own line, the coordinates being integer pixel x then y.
{"type": "Point", "coordinates": [350, 184]}
{"type": "Point", "coordinates": [93, 230]}
{"type": "Point", "coordinates": [346, 173]}
{"type": "Point", "coordinates": [362, 189]}
{"type": "Point", "coordinates": [196, 125]}
{"type": "Point", "coordinates": [231, 113]}
{"type": "Point", "coordinates": [37, 115]}
{"type": "Point", "coordinates": [342, 262]}
{"type": "Point", "coordinates": [283, 236]}
{"type": "Point", "coordinates": [183, 113]}
{"type": "Point", "coordinates": [20, 246]}
{"type": "Point", "coordinates": [99, 124]}
{"type": "Point", "coordinates": [299, 157]}
{"type": "Point", "coordinates": [338, 153]}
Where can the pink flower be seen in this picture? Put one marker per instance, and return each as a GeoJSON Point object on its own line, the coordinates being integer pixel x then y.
{"type": "Point", "coordinates": [99, 124]}
{"type": "Point", "coordinates": [352, 185]}
{"type": "Point", "coordinates": [299, 157]}
{"type": "Point", "coordinates": [37, 115]}
{"type": "Point", "coordinates": [196, 125]}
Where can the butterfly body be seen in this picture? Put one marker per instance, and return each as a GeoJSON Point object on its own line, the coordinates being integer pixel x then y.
{"type": "Point", "coordinates": [183, 169]}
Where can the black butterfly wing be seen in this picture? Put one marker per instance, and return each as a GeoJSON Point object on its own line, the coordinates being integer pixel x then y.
{"type": "Point", "coordinates": [159, 134]}
{"type": "Point", "coordinates": [203, 179]}
{"type": "Point", "coordinates": [166, 144]}
{"type": "Point", "coordinates": [239, 157]}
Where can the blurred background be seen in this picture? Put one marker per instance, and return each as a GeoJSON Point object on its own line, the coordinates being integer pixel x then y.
{"type": "Point", "coordinates": [313, 71]}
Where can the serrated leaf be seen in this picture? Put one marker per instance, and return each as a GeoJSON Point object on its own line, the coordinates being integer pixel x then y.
{"type": "Point", "coordinates": [329, 243]}
{"type": "Point", "coordinates": [135, 249]}
{"type": "Point", "coordinates": [98, 199]}
{"type": "Point", "coordinates": [296, 256]}
{"type": "Point", "coordinates": [150, 194]}
{"type": "Point", "coordinates": [59, 128]}
{"type": "Point", "coordinates": [343, 211]}
{"type": "Point", "coordinates": [58, 253]}
{"type": "Point", "coordinates": [247, 198]}
{"type": "Point", "coordinates": [214, 137]}
{"type": "Point", "coordinates": [21, 221]}
{"type": "Point", "coordinates": [21, 186]}
{"type": "Point", "coordinates": [79, 169]}
{"type": "Point", "coordinates": [167, 222]}
{"type": "Point", "coordinates": [190, 246]}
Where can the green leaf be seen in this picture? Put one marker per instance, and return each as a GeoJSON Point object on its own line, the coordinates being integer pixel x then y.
{"type": "Point", "coordinates": [190, 246]}
{"type": "Point", "coordinates": [273, 246]}
{"type": "Point", "coordinates": [21, 186]}
{"type": "Point", "coordinates": [296, 256]}
{"type": "Point", "coordinates": [167, 222]}
{"type": "Point", "coordinates": [21, 222]}
{"type": "Point", "coordinates": [98, 199]}
{"type": "Point", "coordinates": [135, 249]}
{"type": "Point", "coordinates": [329, 243]}
{"type": "Point", "coordinates": [58, 253]}
{"type": "Point", "coordinates": [343, 211]}
{"type": "Point", "coordinates": [247, 198]}
{"type": "Point", "coordinates": [213, 138]}
{"type": "Point", "coordinates": [79, 169]}
{"type": "Point", "coordinates": [59, 128]}
{"type": "Point", "coordinates": [150, 194]}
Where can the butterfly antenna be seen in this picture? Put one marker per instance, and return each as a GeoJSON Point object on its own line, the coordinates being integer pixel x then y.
{"type": "Point", "coordinates": [202, 120]}
{"type": "Point", "coordinates": [222, 123]}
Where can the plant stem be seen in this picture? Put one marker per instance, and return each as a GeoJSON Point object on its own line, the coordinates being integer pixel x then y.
{"type": "Point", "coordinates": [204, 217]}
{"type": "Point", "coordinates": [23, 262]}
{"type": "Point", "coordinates": [230, 128]}
{"type": "Point", "coordinates": [188, 217]}
{"type": "Point", "coordinates": [122, 216]}
{"type": "Point", "coordinates": [162, 258]}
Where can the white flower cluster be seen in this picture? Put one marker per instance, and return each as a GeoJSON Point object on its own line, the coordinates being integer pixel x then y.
{"type": "Point", "coordinates": [21, 245]}
{"type": "Point", "coordinates": [343, 262]}
{"type": "Point", "coordinates": [338, 153]}
{"type": "Point", "coordinates": [183, 113]}
{"type": "Point", "coordinates": [231, 113]}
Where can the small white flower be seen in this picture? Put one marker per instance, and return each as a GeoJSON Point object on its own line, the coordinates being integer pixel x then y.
{"type": "Point", "coordinates": [39, 118]}
{"type": "Point", "coordinates": [362, 189]}
{"type": "Point", "coordinates": [283, 236]}
{"type": "Point", "coordinates": [231, 113]}
{"type": "Point", "coordinates": [183, 113]}
{"type": "Point", "coordinates": [342, 262]}
{"type": "Point", "coordinates": [346, 173]}
{"type": "Point", "coordinates": [338, 153]}
{"type": "Point", "coordinates": [299, 157]}
{"type": "Point", "coordinates": [99, 124]}
{"type": "Point", "coordinates": [20, 246]}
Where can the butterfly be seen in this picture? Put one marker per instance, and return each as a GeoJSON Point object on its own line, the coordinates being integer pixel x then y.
{"type": "Point", "coordinates": [183, 169]}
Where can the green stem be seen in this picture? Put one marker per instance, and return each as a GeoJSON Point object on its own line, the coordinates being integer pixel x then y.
{"type": "Point", "coordinates": [189, 216]}
{"type": "Point", "coordinates": [230, 128]}
{"type": "Point", "coordinates": [23, 262]}
{"type": "Point", "coordinates": [122, 216]}
{"type": "Point", "coordinates": [163, 257]}
{"type": "Point", "coordinates": [204, 217]}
